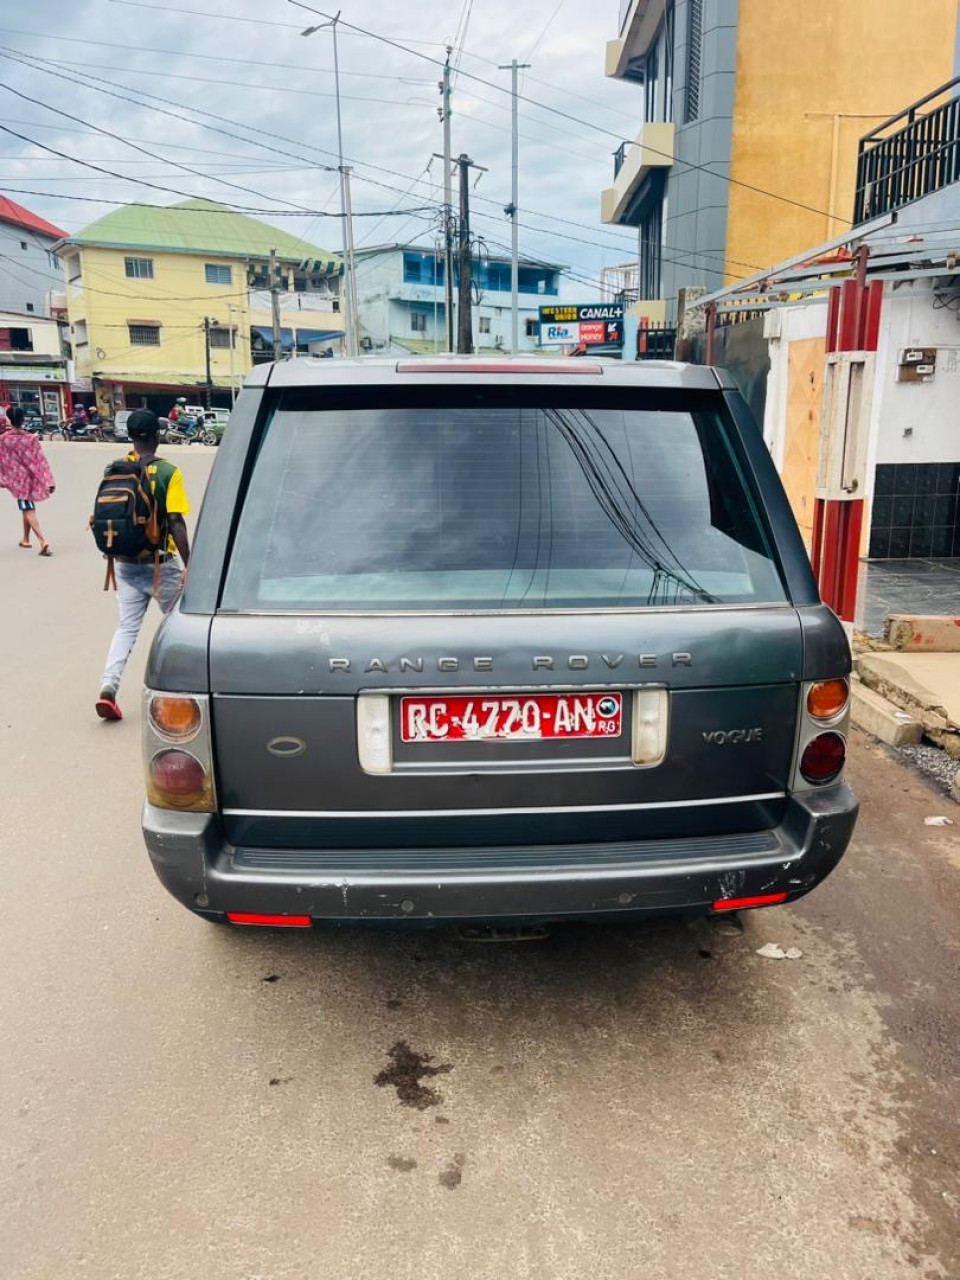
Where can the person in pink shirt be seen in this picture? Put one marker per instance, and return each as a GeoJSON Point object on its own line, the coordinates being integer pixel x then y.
{"type": "Point", "coordinates": [24, 470]}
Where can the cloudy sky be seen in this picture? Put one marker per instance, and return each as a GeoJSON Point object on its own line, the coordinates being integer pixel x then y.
{"type": "Point", "coordinates": [245, 62]}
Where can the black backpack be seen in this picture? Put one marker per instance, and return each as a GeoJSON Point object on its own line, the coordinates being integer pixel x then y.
{"type": "Point", "coordinates": [126, 518]}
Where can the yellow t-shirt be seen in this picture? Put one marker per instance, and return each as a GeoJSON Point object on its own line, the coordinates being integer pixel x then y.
{"type": "Point", "coordinates": [166, 482]}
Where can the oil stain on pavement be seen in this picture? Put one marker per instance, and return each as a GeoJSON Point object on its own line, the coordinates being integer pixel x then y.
{"type": "Point", "coordinates": [405, 1072]}
{"type": "Point", "coordinates": [452, 1176]}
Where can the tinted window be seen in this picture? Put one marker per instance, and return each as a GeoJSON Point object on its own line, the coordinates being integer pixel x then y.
{"type": "Point", "coordinates": [496, 505]}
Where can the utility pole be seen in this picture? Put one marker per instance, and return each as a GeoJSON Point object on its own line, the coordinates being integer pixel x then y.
{"type": "Point", "coordinates": [233, 354]}
{"type": "Point", "coordinates": [464, 300]}
{"type": "Point", "coordinates": [465, 259]}
{"type": "Point", "coordinates": [208, 394]}
{"type": "Point", "coordinates": [513, 210]}
{"type": "Point", "coordinates": [352, 318]}
{"type": "Point", "coordinates": [275, 305]}
{"type": "Point", "coordinates": [346, 214]}
{"type": "Point", "coordinates": [448, 199]}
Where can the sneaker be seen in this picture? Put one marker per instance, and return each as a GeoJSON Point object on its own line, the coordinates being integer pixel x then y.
{"type": "Point", "coordinates": [106, 705]}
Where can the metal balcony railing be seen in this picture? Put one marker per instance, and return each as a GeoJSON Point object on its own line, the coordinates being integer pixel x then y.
{"type": "Point", "coordinates": [910, 155]}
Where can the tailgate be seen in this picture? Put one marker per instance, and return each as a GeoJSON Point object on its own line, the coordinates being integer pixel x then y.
{"type": "Point", "coordinates": [286, 727]}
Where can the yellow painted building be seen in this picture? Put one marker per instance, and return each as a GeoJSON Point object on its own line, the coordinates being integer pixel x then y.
{"type": "Point", "coordinates": [148, 289]}
{"type": "Point", "coordinates": [750, 113]}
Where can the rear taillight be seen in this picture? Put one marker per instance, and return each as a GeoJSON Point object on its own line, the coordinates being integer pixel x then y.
{"type": "Point", "coordinates": [823, 716]}
{"type": "Point", "coordinates": [823, 758]}
{"type": "Point", "coordinates": [175, 719]}
{"type": "Point", "coordinates": [827, 699]}
{"type": "Point", "coordinates": [178, 778]}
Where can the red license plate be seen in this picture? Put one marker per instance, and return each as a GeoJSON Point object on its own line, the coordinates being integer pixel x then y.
{"type": "Point", "coordinates": [521, 717]}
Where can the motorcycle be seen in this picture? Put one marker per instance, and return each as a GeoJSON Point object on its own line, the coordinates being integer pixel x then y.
{"type": "Point", "coordinates": [185, 431]}
{"type": "Point", "coordinates": [76, 429]}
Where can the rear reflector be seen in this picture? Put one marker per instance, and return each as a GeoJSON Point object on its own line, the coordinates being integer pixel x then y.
{"type": "Point", "coordinates": [279, 922]}
{"type": "Point", "coordinates": [739, 904]}
{"type": "Point", "coordinates": [496, 366]}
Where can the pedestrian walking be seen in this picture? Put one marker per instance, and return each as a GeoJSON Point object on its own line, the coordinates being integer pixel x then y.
{"type": "Point", "coordinates": [25, 472]}
{"type": "Point", "coordinates": [154, 571]}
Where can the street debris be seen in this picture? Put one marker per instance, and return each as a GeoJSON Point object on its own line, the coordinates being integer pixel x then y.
{"type": "Point", "coordinates": [773, 951]}
{"type": "Point", "coordinates": [938, 820]}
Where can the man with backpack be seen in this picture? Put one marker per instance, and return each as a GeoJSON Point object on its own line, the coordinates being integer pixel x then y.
{"type": "Point", "coordinates": [138, 524]}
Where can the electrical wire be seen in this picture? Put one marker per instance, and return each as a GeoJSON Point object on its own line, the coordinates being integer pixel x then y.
{"type": "Point", "coordinates": [405, 177]}
{"type": "Point", "coordinates": [558, 111]}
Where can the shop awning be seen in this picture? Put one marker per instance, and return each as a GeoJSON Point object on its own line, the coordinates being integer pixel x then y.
{"type": "Point", "coordinates": [265, 335]}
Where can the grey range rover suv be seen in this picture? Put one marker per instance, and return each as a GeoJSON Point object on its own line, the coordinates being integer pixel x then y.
{"type": "Point", "coordinates": [494, 641]}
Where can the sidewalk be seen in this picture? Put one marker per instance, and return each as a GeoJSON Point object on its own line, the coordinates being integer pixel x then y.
{"type": "Point", "coordinates": [905, 586]}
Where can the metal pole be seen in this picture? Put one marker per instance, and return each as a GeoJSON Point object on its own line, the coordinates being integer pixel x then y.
{"type": "Point", "coordinates": [353, 345]}
{"type": "Point", "coordinates": [513, 209]}
{"type": "Point", "coordinates": [275, 306]}
{"type": "Point", "coordinates": [464, 301]}
{"type": "Point", "coordinates": [448, 201]}
{"type": "Point", "coordinates": [346, 215]}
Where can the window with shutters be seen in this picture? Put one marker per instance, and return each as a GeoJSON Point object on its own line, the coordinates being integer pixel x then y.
{"type": "Point", "coordinates": [217, 273]}
{"type": "Point", "coordinates": [144, 335]}
{"type": "Point", "coordinates": [691, 106]}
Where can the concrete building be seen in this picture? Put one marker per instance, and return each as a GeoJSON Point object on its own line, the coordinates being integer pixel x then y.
{"type": "Point", "coordinates": [401, 292]}
{"type": "Point", "coordinates": [740, 98]}
{"type": "Point", "coordinates": [33, 365]}
{"type": "Point", "coordinates": [29, 271]}
{"type": "Point", "coordinates": [141, 283]}
{"type": "Point", "coordinates": [777, 333]}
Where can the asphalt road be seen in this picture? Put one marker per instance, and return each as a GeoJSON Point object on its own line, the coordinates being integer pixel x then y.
{"type": "Point", "coordinates": [180, 1101]}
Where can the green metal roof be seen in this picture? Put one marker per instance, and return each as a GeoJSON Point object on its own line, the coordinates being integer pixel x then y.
{"type": "Point", "coordinates": [201, 227]}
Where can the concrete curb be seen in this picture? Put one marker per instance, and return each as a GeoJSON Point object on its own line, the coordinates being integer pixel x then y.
{"type": "Point", "coordinates": [922, 633]}
{"type": "Point", "coordinates": [874, 714]}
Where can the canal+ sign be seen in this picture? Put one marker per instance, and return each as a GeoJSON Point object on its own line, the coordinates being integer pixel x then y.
{"type": "Point", "coordinates": [563, 325]}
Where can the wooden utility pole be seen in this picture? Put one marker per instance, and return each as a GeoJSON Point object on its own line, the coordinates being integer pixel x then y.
{"type": "Point", "coordinates": [275, 305]}
{"type": "Point", "coordinates": [465, 259]}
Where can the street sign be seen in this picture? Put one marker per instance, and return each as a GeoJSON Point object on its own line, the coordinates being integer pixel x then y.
{"type": "Point", "coordinates": [590, 324]}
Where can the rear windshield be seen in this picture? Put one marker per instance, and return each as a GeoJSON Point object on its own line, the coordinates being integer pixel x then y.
{"type": "Point", "coordinates": [497, 501]}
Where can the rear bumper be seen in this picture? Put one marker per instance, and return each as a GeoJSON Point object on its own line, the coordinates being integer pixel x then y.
{"type": "Point", "coordinates": [206, 874]}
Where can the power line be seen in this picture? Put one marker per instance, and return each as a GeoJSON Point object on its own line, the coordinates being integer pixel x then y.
{"type": "Point", "coordinates": [157, 105]}
{"type": "Point", "coordinates": [549, 24]}
{"type": "Point", "coordinates": [557, 111]}
{"type": "Point", "coordinates": [405, 177]}
{"type": "Point", "coordinates": [209, 57]}
{"type": "Point", "coordinates": [176, 164]}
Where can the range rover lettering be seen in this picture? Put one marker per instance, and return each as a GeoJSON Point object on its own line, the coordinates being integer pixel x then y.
{"type": "Point", "coordinates": [494, 641]}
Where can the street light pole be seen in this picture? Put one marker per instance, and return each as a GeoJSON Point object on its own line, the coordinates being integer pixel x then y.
{"type": "Point", "coordinates": [513, 210]}
{"type": "Point", "coordinates": [346, 216]}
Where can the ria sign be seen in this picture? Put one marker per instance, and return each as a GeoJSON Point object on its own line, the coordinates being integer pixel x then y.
{"type": "Point", "coordinates": [589, 325]}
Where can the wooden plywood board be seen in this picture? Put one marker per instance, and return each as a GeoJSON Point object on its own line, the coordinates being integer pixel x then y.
{"type": "Point", "coordinates": [802, 435]}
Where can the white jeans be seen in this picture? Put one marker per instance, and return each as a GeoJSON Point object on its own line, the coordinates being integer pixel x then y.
{"type": "Point", "coordinates": [134, 592]}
